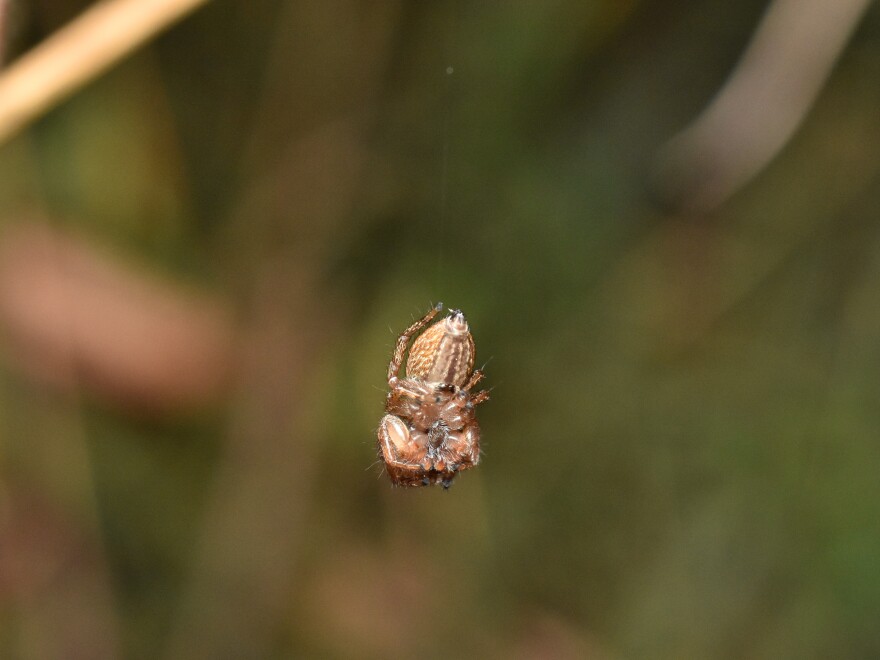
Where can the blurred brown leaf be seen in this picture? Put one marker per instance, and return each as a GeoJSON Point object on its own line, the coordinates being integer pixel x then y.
{"type": "Point", "coordinates": [75, 317]}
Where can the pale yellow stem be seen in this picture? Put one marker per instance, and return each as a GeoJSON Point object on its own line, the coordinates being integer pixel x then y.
{"type": "Point", "coordinates": [78, 52]}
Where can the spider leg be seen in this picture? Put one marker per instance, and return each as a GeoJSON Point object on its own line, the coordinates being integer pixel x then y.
{"type": "Point", "coordinates": [479, 397]}
{"type": "Point", "coordinates": [475, 378]}
{"type": "Point", "coordinates": [403, 341]}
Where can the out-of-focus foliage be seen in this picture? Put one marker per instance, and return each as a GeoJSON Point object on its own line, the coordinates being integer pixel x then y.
{"type": "Point", "coordinates": [682, 449]}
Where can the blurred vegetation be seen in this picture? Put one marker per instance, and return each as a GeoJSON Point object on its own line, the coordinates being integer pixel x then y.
{"type": "Point", "coordinates": [682, 449]}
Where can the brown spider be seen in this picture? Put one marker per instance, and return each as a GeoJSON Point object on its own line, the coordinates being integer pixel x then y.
{"type": "Point", "coordinates": [430, 432]}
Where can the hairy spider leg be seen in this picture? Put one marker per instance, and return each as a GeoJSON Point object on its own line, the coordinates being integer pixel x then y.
{"type": "Point", "coordinates": [392, 447]}
{"type": "Point", "coordinates": [475, 378]}
{"type": "Point", "coordinates": [403, 341]}
{"type": "Point", "coordinates": [480, 397]}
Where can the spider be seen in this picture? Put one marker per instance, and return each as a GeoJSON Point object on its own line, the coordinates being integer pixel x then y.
{"type": "Point", "coordinates": [430, 432]}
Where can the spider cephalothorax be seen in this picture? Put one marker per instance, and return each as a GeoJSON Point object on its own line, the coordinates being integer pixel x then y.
{"type": "Point", "coordinates": [430, 432]}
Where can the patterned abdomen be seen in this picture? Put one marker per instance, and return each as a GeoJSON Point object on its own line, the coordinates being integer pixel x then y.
{"type": "Point", "coordinates": [444, 353]}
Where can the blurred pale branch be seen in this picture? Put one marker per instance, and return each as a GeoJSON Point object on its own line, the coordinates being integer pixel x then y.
{"type": "Point", "coordinates": [762, 104]}
{"type": "Point", "coordinates": [89, 45]}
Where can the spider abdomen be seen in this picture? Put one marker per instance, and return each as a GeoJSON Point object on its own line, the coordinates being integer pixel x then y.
{"type": "Point", "coordinates": [444, 353]}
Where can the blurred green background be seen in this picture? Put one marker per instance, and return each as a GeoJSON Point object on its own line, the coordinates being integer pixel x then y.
{"type": "Point", "coordinates": [682, 449]}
